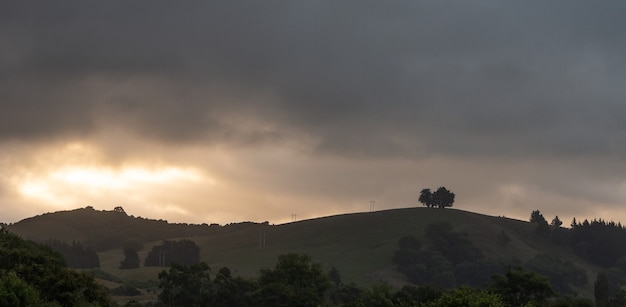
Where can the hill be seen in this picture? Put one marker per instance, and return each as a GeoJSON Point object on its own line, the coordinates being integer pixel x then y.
{"type": "Point", "coordinates": [102, 230]}
{"type": "Point", "coordinates": [360, 245]}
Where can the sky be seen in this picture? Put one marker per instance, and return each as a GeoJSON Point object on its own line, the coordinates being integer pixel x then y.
{"type": "Point", "coordinates": [230, 111]}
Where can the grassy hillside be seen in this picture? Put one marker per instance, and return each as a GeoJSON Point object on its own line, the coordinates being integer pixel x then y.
{"type": "Point", "coordinates": [360, 245]}
{"type": "Point", "coordinates": [102, 230]}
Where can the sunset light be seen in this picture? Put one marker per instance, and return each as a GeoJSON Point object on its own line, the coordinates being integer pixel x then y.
{"type": "Point", "coordinates": [310, 114]}
{"type": "Point", "coordinates": [64, 184]}
{"type": "Point", "coordinates": [127, 177]}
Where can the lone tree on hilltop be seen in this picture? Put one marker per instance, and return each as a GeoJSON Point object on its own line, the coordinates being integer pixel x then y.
{"type": "Point", "coordinates": [426, 198]}
{"type": "Point", "coordinates": [441, 198]}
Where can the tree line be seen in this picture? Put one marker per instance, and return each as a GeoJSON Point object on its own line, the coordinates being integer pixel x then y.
{"type": "Point", "coordinates": [163, 255]}
{"type": "Point", "coordinates": [76, 255]}
{"type": "Point", "coordinates": [600, 242]}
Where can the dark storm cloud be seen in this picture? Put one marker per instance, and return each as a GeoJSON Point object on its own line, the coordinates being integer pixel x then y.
{"type": "Point", "coordinates": [360, 78]}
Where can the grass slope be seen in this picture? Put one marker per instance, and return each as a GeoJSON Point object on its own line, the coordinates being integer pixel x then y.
{"type": "Point", "coordinates": [360, 245]}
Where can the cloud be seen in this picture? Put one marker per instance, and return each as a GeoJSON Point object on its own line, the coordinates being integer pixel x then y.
{"type": "Point", "coordinates": [316, 99]}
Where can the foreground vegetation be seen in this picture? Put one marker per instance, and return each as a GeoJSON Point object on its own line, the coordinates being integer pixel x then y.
{"type": "Point", "coordinates": [34, 275]}
{"type": "Point", "coordinates": [297, 281]}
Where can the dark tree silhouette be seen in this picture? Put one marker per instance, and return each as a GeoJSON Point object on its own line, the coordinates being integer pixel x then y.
{"type": "Point", "coordinates": [537, 218]}
{"type": "Point", "coordinates": [601, 242]}
{"type": "Point", "coordinates": [186, 285]}
{"type": "Point", "coordinates": [541, 225]}
{"type": "Point", "coordinates": [76, 255]}
{"type": "Point", "coordinates": [183, 252]}
{"type": "Point", "coordinates": [295, 281]}
{"type": "Point", "coordinates": [443, 198]}
{"type": "Point", "coordinates": [34, 275]}
{"type": "Point", "coordinates": [426, 198]}
{"type": "Point", "coordinates": [518, 287]}
{"type": "Point", "coordinates": [131, 259]}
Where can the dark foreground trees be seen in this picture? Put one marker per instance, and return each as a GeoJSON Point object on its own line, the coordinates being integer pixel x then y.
{"type": "Point", "coordinates": [518, 287]}
{"type": "Point", "coordinates": [295, 281]}
{"type": "Point", "coordinates": [186, 285]}
{"type": "Point", "coordinates": [298, 281]}
{"type": "Point", "coordinates": [34, 275]}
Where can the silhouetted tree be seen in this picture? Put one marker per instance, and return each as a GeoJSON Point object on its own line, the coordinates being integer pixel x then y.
{"type": "Point", "coordinates": [426, 198]}
{"type": "Point", "coordinates": [537, 218]}
{"type": "Point", "coordinates": [601, 242]}
{"type": "Point", "coordinates": [76, 255]}
{"type": "Point", "coordinates": [443, 198]}
{"type": "Point", "coordinates": [131, 259]}
{"type": "Point", "coordinates": [518, 287]}
{"type": "Point", "coordinates": [183, 251]}
{"type": "Point", "coordinates": [295, 281]}
{"type": "Point", "coordinates": [186, 285]}
{"type": "Point", "coordinates": [232, 291]}
{"type": "Point", "coordinates": [541, 225]}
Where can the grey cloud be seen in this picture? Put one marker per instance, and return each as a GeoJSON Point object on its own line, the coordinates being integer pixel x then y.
{"type": "Point", "coordinates": [362, 78]}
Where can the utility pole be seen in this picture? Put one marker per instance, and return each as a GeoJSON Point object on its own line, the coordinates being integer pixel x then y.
{"type": "Point", "coordinates": [293, 217]}
{"type": "Point", "coordinates": [262, 237]}
{"type": "Point", "coordinates": [162, 254]}
{"type": "Point", "coordinates": [372, 203]}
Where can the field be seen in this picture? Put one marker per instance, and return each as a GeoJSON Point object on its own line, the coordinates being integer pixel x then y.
{"type": "Point", "coordinates": [360, 245]}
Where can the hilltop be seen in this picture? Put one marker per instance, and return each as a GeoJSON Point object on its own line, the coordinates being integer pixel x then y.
{"type": "Point", "coordinates": [360, 245]}
{"type": "Point", "coordinates": [103, 230]}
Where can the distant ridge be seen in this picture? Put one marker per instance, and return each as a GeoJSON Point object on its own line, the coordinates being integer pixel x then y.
{"type": "Point", "coordinates": [103, 230]}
